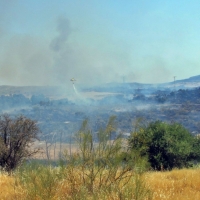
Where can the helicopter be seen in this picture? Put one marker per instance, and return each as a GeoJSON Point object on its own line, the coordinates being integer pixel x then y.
{"type": "Point", "coordinates": [72, 80]}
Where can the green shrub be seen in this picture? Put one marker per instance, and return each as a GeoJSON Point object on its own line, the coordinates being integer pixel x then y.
{"type": "Point", "coordinates": [165, 145]}
{"type": "Point", "coordinates": [38, 180]}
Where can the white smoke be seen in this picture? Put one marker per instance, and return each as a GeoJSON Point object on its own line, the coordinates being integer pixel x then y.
{"type": "Point", "coordinates": [75, 90]}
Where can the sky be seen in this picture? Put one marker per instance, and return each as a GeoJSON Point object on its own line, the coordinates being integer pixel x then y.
{"type": "Point", "coordinates": [46, 42]}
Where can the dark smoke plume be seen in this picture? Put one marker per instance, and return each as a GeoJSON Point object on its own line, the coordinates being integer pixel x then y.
{"type": "Point", "coordinates": [64, 30]}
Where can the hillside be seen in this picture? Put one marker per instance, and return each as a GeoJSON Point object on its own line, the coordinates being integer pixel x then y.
{"type": "Point", "coordinates": [52, 107]}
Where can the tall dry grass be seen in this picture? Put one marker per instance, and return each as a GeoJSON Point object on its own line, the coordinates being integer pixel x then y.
{"type": "Point", "coordinates": [177, 184]}
{"type": "Point", "coordinates": [9, 189]}
{"type": "Point", "coordinates": [55, 185]}
{"type": "Point", "coordinates": [47, 183]}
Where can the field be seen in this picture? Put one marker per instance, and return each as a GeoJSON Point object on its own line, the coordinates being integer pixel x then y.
{"type": "Point", "coordinates": [48, 183]}
{"type": "Point", "coordinates": [177, 184]}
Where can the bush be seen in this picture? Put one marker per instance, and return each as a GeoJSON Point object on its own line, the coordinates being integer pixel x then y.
{"type": "Point", "coordinates": [100, 165]}
{"type": "Point", "coordinates": [165, 145]}
{"type": "Point", "coordinates": [16, 137]}
{"type": "Point", "coordinates": [39, 181]}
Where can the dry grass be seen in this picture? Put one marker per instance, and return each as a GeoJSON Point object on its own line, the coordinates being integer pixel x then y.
{"type": "Point", "coordinates": [9, 190]}
{"type": "Point", "coordinates": [177, 185]}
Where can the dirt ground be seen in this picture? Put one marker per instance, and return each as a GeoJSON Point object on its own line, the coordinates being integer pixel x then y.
{"type": "Point", "coordinates": [53, 151]}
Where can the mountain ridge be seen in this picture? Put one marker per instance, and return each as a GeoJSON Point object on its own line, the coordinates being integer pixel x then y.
{"type": "Point", "coordinates": [190, 82]}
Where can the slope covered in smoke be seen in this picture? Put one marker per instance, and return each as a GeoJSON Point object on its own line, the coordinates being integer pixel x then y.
{"type": "Point", "coordinates": [124, 87]}
{"type": "Point", "coordinates": [191, 79]}
{"type": "Point", "coordinates": [113, 87]}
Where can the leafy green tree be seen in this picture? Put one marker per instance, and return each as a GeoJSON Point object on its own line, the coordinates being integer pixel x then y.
{"type": "Point", "coordinates": [165, 145]}
{"type": "Point", "coordinates": [196, 148]}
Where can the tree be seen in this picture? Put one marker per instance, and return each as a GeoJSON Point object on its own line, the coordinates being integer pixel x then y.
{"type": "Point", "coordinates": [165, 145]}
{"type": "Point", "coordinates": [196, 148]}
{"type": "Point", "coordinates": [17, 135]}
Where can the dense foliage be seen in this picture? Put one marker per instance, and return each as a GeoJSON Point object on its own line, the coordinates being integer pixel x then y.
{"type": "Point", "coordinates": [165, 145]}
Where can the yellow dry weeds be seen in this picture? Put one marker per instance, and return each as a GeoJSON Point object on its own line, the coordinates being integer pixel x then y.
{"type": "Point", "coordinates": [9, 189]}
{"type": "Point", "coordinates": [177, 185]}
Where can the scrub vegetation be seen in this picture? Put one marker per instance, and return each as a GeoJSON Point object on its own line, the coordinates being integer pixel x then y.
{"type": "Point", "coordinates": [108, 167]}
{"type": "Point", "coordinates": [16, 138]}
{"type": "Point", "coordinates": [39, 182]}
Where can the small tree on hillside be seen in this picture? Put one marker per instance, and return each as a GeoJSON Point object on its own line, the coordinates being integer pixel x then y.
{"type": "Point", "coordinates": [16, 137]}
{"type": "Point", "coordinates": [165, 145]}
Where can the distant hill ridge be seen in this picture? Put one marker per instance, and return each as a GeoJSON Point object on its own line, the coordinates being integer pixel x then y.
{"type": "Point", "coordinates": [190, 82]}
{"type": "Point", "coordinates": [191, 79]}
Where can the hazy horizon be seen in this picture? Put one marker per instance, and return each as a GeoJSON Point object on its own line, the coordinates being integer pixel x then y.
{"type": "Point", "coordinates": [48, 43]}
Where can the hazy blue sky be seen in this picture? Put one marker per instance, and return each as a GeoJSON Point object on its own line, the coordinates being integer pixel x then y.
{"type": "Point", "coordinates": [45, 42]}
